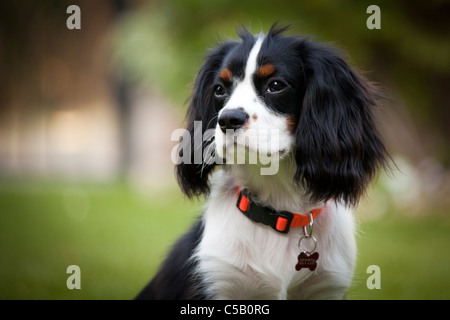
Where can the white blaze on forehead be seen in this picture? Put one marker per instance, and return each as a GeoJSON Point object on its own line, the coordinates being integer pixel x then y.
{"type": "Point", "coordinates": [244, 94]}
{"type": "Point", "coordinates": [250, 68]}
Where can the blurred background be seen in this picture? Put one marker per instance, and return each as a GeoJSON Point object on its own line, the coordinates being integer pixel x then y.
{"type": "Point", "coordinates": [86, 118]}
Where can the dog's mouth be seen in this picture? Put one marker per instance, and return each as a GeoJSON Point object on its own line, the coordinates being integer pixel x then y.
{"type": "Point", "coordinates": [247, 148]}
{"type": "Point", "coordinates": [241, 146]}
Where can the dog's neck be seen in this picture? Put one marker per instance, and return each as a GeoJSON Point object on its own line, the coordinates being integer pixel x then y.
{"type": "Point", "coordinates": [279, 191]}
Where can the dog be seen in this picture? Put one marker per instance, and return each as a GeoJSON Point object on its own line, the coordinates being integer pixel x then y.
{"type": "Point", "coordinates": [290, 234]}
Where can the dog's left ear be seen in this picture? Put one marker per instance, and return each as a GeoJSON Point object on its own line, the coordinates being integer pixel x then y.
{"type": "Point", "coordinates": [193, 175]}
{"type": "Point", "coordinates": [338, 148]}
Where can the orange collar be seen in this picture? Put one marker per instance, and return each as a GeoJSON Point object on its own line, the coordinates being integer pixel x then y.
{"type": "Point", "coordinates": [281, 221]}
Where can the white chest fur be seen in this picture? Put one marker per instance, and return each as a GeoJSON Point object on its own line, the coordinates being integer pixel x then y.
{"type": "Point", "coordinates": [241, 259]}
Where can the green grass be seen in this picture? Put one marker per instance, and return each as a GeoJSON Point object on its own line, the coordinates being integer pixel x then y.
{"type": "Point", "coordinates": [413, 255]}
{"type": "Point", "coordinates": [118, 238]}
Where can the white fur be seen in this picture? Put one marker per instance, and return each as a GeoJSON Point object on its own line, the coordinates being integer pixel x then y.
{"type": "Point", "coordinates": [240, 259]}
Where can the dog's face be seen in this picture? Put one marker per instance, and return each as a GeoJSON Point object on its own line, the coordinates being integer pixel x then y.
{"type": "Point", "coordinates": [257, 94]}
{"type": "Point", "coordinates": [301, 93]}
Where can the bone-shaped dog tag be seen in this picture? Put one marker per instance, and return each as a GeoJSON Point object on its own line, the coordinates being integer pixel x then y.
{"type": "Point", "coordinates": [306, 260]}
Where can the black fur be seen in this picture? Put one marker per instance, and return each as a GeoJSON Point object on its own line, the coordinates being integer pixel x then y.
{"type": "Point", "coordinates": [192, 177]}
{"type": "Point", "coordinates": [338, 148]}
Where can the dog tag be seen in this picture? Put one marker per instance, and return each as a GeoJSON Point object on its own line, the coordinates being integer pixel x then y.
{"type": "Point", "coordinates": [307, 261]}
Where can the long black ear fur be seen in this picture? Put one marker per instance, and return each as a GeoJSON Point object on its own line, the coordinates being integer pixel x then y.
{"type": "Point", "coordinates": [338, 148]}
{"type": "Point", "coordinates": [193, 177]}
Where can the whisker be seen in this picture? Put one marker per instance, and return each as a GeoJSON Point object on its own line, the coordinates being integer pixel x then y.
{"type": "Point", "coordinates": [213, 118]}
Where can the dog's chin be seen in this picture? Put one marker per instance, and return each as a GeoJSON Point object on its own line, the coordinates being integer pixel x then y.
{"type": "Point", "coordinates": [236, 153]}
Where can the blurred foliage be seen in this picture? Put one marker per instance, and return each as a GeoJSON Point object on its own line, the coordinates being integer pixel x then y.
{"type": "Point", "coordinates": [160, 44]}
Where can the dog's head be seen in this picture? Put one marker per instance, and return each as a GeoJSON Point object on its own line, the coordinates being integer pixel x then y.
{"type": "Point", "coordinates": [302, 92]}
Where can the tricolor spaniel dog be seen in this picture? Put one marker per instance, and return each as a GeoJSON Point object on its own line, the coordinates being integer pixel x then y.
{"type": "Point", "coordinates": [286, 232]}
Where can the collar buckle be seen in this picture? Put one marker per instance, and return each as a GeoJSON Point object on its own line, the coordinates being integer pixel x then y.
{"type": "Point", "coordinates": [283, 223]}
{"type": "Point", "coordinates": [278, 220]}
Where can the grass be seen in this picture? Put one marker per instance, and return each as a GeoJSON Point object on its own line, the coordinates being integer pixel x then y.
{"type": "Point", "coordinates": [412, 254]}
{"type": "Point", "coordinates": [115, 236]}
{"type": "Point", "coordinates": [118, 238]}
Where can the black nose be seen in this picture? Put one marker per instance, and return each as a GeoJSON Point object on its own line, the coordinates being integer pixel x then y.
{"type": "Point", "coordinates": [232, 119]}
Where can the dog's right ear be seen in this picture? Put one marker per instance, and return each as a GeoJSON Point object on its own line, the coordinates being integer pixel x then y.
{"type": "Point", "coordinates": [193, 175]}
{"type": "Point", "coordinates": [338, 147]}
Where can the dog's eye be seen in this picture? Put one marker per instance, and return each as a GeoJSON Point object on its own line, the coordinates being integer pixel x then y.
{"type": "Point", "coordinates": [219, 91]}
{"type": "Point", "coordinates": [276, 86]}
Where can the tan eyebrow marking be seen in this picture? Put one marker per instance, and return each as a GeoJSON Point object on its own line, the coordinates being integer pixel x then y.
{"type": "Point", "coordinates": [226, 75]}
{"type": "Point", "coordinates": [265, 70]}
